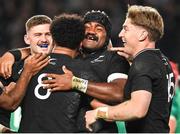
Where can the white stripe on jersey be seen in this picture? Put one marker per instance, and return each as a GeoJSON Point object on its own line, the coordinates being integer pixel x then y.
{"type": "Point", "coordinates": [114, 76]}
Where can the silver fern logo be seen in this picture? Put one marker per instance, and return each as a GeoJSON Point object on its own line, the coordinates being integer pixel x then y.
{"type": "Point", "coordinates": [53, 61]}
{"type": "Point", "coordinates": [99, 59]}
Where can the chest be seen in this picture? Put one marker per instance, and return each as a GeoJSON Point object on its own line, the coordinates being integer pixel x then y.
{"type": "Point", "coordinates": [94, 68]}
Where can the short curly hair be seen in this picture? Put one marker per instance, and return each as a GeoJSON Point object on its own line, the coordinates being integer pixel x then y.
{"type": "Point", "coordinates": [68, 30]}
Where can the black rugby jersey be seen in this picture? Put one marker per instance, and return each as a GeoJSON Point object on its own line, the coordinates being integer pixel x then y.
{"type": "Point", "coordinates": [98, 67]}
{"type": "Point", "coordinates": [6, 114]}
{"type": "Point", "coordinates": [5, 117]}
{"type": "Point", "coordinates": [151, 71]}
{"type": "Point", "coordinates": [43, 111]}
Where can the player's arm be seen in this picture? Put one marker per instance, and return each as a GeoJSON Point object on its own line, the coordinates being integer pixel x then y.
{"type": "Point", "coordinates": [32, 65]}
{"type": "Point", "coordinates": [107, 92]}
{"type": "Point", "coordinates": [8, 59]}
{"type": "Point", "coordinates": [172, 124]}
{"type": "Point", "coordinates": [4, 129]}
{"type": "Point", "coordinates": [135, 108]}
{"type": "Point", "coordinates": [123, 51]}
{"type": "Point", "coordinates": [95, 104]}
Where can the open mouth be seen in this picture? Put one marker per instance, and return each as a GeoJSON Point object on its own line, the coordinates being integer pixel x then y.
{"type": "Point", "coordinates": [124, 43]}
{"type": "Point", "coordinates": [43, 45]}
{"type": "Point", "coordinates": [91, 37]}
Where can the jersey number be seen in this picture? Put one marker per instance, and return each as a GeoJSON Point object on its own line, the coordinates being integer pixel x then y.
{"type": "Point", "coordinates": [39, 85]}
{"type": "Point", "coordinates": [170, 86]}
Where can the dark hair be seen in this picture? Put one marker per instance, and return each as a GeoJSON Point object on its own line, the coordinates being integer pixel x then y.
{"type": "Point", "coordinates": [102, 18]}
{"type": "Point", "coordinates": [67, 30]}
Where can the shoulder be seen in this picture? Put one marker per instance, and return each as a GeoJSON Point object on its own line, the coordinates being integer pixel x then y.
{"type": "Point", "coordinates": [113, 55]}
{"type": "Point", "coordinates": [146, 62]}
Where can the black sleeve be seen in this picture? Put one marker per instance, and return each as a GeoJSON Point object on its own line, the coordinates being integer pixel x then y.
{"type": "Point", "coordinates": [5, 117]}
{"type": "Point", "coordinates": [143, 73]}
{"type": "Point", "coordinates": [16, 53]}
{"type": "Point", "coordinates": [142, 82]}
{"type": "Point", "coordinates": [16, 71]}
{"type": "Point", "coordinates": [118, 64]}
{"type": "Point", "coordinates": [4, 81]}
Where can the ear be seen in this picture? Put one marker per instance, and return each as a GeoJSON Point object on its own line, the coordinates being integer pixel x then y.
{"type": "Point", "coordinates": [26, 39]}
{"type": "Point", "coordinates": [143, 35]}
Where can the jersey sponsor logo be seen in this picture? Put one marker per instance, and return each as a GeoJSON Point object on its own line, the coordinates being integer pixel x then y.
{"type": "Point", "coordinates": [99, 59]}
{"type": "Point", "coordinates": [40, 85]}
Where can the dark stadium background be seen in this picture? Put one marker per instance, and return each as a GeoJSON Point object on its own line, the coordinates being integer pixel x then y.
{"type": "Point", "coordinates": [14, 13]}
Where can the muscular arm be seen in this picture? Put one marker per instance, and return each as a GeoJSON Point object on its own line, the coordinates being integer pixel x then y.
{"type": "Point", "coordinates": [109, 93]}
{"type": "Point", "coordinates": [26, 51]}
{"type": "Point", "coordinates": [8, 59]}
{"type": "Point", "coordinates": [32, 65]}
{"type": "Point", "coordinates": [135, 108]}
{"type": "Point", "coordinates": [12, 99]}
{"type": "Point", "coordinates": [95, 104]}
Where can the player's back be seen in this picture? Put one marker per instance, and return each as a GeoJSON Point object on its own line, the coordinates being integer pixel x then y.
{"type": "Point", "coordinates": [44, 111]}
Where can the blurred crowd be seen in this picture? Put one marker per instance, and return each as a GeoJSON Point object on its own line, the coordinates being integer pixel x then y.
{"type": "Point", "coordinates": [13, 14]}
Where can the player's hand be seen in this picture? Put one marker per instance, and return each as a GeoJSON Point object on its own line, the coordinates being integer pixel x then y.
{"type": "Point", "coordinates": [10, 87]}
{"type": "Point", "coordinates": [34, 63]}
{"type": "Point", "coordinates": [6, 63]}
{"type": "Point", "coordinates": [123, 51]}
{"type": "Point", "coordinates": [90, 118]}
{"type": "Point", "coordinates": [4, 129]}
{"type": "Point", "coordinates": [59, 81]}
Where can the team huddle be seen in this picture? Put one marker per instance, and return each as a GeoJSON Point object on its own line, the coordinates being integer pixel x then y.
{"type": "Point", "coordinates": [71, 79]}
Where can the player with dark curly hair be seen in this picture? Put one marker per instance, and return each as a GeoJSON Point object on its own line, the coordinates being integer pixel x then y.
{"type": "Point", "coordinates": [44, 111]}
{"type": "Point", "coordinates": [102, 74]}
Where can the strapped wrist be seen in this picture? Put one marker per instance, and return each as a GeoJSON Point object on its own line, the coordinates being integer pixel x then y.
{"type": "Point", "coordinates": [16, 53]}
{"type": "Point", "coordinates": [79, 84]}
{"type": "Point", "coordinates": [102, 112]}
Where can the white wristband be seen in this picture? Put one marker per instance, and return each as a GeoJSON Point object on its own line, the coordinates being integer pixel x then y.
{"type": "Point", "coordinates": [79, 84]}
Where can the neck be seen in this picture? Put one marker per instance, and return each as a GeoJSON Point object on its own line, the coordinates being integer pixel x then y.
{"type": "Point", "coordinates": [66, 51]}
{"type": "Point", "coordinates": [142, 46]}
